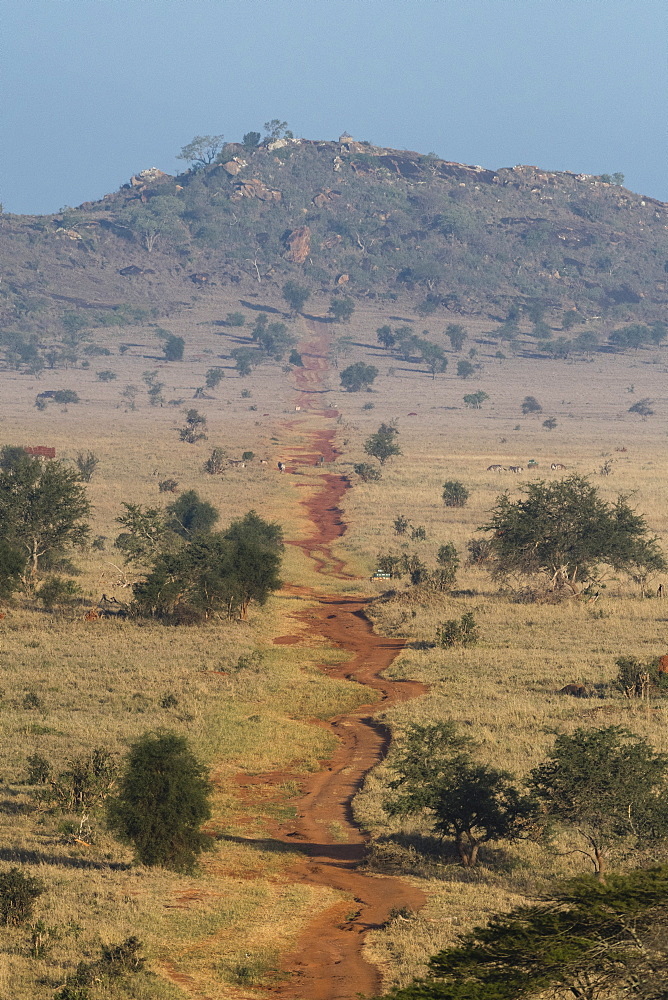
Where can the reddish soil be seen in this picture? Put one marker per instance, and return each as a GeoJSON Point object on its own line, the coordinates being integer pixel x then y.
{"type": "Point", "coordinates": [327, 963]}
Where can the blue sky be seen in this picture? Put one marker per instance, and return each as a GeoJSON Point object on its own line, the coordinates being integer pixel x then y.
{"type": "Point", "coordinates": [95, 90]}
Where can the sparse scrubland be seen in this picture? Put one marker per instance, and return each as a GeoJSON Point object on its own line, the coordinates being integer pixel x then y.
{"type": "Point", "coordinates": [173, 378]}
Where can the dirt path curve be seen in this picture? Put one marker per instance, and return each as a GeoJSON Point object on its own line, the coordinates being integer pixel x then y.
{"type": "Point", "coordinates": [327, 963]}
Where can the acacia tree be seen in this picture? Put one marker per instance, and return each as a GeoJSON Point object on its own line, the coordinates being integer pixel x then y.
{"type": "Point", "coordinates": [471, 802]}
{"type": "Point", "coordinates": [214, 572]}
{"type": "Point", "coordinates": [295, 295]}
{"type": "Point", "coordinates": [604, 786]}
{"type": "Point", "coordinates": [202, 150]}
{"type": "Point", "coordinates": [567, 531]}
{"type": "Point", "coordinates": [358, 376]}
{"type": "Point", "coordinates": [383, 444]}
{"type": "Point", "coordinates": [162, 801]}
{"type": "Point", "coordinates": [42, 509]}
{"type": "Point", "coordinates": [589, 941]}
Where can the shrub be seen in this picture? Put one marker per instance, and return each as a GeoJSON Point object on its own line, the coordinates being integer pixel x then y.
{"type": "Point", "coordinates": [39, 770]}
{"type": "Point", "coordinates": [401, 524]}
{"type": "Point", "coordinates": [367, 473]}
{"type": "Point", "coordinates": [65, 396]}
{"type": "Point", "coordinates": [465, 369]}
{"type": "Point", "coordinates": [56, 591]}
{"type": "Point", "coordinates": [168, 485]}
{"type": "Point", "coordinates": [550, 423]}
{"type": "Point", "coordinates": [643, 408]}
{"type": "Point", "coordinates": [530, 405]}
{"type": "Point", "coordinates": [106, 376]}
{"type": "Point", "coordinates": [248, 456]}
{"type": "Point", "coordinates": [455, 493]}
{"type": "Point", "coordinates": [215, 463]}
{"type": "Point", "coordinates": [194, 430]}
{"type": "Point", "coordinates": [462, 632]}
{"type": "Point", "coordinates": [173, 348]}
{"type": "Point", "coordinates": [479, 551]}
{"type": "Point", "coordinates": [162, 801]}
{"type": "Point", "coordinates": [18, 893]}
{"type": "Point", "coordinates": [86, 463]}
{"type": "Point", "coordinates": [214, 376]}
{"type": "Point", "coordinates": [358, 376]}
{"type": "Point", "coordinates": [235, 319]}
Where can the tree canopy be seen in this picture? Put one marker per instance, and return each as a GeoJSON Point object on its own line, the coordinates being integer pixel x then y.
{"type": "Point", "coordinates": [214, 572]}
{"type": "Point", "coordinates": [567, 531]}
{"type": "Point", "coordinates": [383, 444]}
{"type": "Point", "coordinates": [42, 509]}
{"type": "Point", "coordinates": [469, 801]}
{"type": "Point", "coordinates": [589, 941]}
{"type": "Point", "coordinates": [358, 376]}
{"type": "Point", "coordinates": [605, 786]}
{"type": "Point", "coordinates": [162, 801]}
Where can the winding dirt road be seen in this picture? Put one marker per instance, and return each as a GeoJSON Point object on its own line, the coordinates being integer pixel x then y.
{"type": "Point", "coordinates": [327, 963]}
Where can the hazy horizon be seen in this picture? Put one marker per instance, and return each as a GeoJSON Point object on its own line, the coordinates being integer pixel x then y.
{"type": "Point", "coordinates": [96, 91]}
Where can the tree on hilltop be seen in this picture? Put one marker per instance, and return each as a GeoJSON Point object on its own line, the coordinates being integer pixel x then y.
{"type": "Point", "coordinates": [202, 150]}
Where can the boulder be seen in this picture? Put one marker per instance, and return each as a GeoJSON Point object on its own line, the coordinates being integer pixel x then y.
{"type": "Point", "coordinates": [234, 165]}
{"type": "Point", "coordinates": [299, 245]}
{"type": "Point", "coordinates": [254, 188]}
{"type": "Point", "coordinates": [326, 197]}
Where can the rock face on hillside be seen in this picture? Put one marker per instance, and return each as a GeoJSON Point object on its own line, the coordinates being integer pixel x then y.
{"type": "Point", "coordinates": [444, 237]}
{"type": "Point", "coordinates": [299, 245]}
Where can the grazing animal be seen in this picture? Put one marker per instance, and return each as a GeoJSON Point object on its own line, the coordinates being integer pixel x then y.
{"type": "Point", "coordinates": [515, 468]}
{"type": "Point", "coordinates": [576, 690]}
{"type": "Point", "coordinates": [281, 466]}
{"type": "Point", "coordinates": [412, 414]}
{"type": "Point", "coordinates": [659, 591]}
{"type": "Point", "coordinates": [92, 615]}
{"type": "Point", "coordinates": [557, 466]}
{"type": "Point", "coordinates": [663, 665]}
{"type": "Point", "coordinates": [495, 468]}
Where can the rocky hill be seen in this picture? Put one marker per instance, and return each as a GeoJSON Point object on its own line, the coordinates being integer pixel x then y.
{"type": "Point", "coordinates": [346, 217]}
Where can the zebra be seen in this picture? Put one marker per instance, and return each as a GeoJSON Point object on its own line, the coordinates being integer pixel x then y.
{"type": "Point", "coordinates": [281, 466]}
{"type": "Point", "coordinates": [496, 468]}
{"type": "Point", "coordinates": [557, 467]}
{"type": "Point", "coordinates": [516, 468]}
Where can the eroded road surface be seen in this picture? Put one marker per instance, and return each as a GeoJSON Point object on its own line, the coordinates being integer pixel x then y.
{"type": "Point", "coordinates": [327, 963]}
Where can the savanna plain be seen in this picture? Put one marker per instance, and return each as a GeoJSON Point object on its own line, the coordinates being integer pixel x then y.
{"type": "Point", "coordinates": [254, 710]}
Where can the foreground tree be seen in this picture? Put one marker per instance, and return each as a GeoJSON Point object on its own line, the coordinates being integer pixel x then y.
{"type": "Point", "coordinates": [468, 801]}
{"type": "Point", "coordinates": [162, 801]}
{"type": "Point", "coordinates": [213, 573]}
{"type": "Point", "coordinates": [605, 787]}
{"type": "Point", "coordinates": [566, 531]}
{"type": "Point", "coordinates": [383, 444]}
{"type": "Point", "coordinates": [588, 942]}
{"type": "Point", "coordinates": [42, 509]}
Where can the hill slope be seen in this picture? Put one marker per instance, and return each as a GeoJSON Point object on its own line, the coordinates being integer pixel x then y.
{"type": "Point", "coordinates": [343, 216]}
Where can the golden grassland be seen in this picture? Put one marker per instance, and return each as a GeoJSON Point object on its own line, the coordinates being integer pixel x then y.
{"type": "Point", "coordinates": [504, 691]}
{"type": "Point", "coordinates": [103, 684]}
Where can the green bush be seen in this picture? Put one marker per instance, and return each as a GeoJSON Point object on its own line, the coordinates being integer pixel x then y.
{"type": "Point", "coordinates": [162, 801]}
{"type": "Point", "coordinates": [462, 632]}
{"type": "Point", "coordinates": [455, 493]}
{"type": "Point", "coordinates": [18, 893]}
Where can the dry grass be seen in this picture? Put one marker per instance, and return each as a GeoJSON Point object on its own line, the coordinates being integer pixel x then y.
{"type": "Point", "coordinates": [104, 683]}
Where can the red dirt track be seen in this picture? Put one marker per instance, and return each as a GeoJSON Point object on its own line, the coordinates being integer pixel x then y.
{"type": "Point", "coordinates": [327, 963]}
